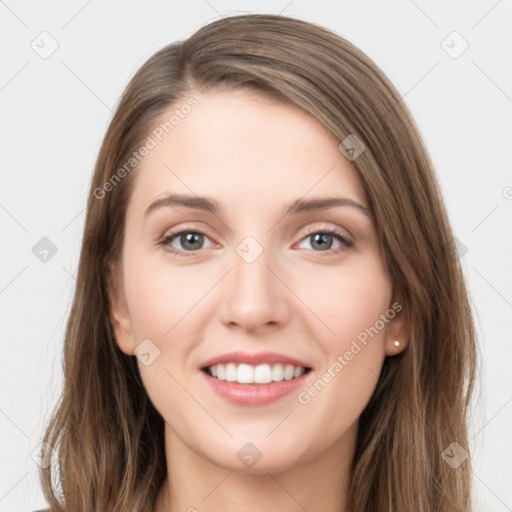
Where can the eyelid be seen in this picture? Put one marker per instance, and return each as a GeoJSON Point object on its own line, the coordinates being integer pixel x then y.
{"type": "Point", "coordinates": [310, 229]}
{"type": "Point", "coordinates": [329, 227]}
{"type": "Point", "coordinates": [193, 229]}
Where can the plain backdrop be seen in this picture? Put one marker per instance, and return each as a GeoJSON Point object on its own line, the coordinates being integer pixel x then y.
{"type": "Point", "coordinates": [451, 61]}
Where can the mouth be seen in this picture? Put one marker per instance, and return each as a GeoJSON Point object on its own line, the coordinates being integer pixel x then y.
{"type": "Point", "coordinates": [243, 373]}
{"type": "Point", "coordinates": [257, 379]}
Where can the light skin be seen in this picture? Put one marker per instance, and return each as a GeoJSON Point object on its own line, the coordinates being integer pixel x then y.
{"type": "Point", "coordinates": [305, 299]}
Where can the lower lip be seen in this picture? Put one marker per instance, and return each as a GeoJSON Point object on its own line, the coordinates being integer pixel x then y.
{"type": "Point", "coordinates": [254, 394]}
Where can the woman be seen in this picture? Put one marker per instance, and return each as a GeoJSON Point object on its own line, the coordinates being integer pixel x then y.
{"type": "Point", "coordinates": [269, 311]}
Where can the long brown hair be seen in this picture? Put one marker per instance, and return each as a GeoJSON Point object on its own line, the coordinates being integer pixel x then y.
{"type": "Point", "coordinates": [107, 439]}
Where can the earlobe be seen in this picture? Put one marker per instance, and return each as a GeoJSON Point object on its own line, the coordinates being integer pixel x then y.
{"type": "Point", "coordinates": [398, 331]}
{"type": "Point", "coordinates": [118, 310]}
{"type": "Point", "coordinates": [397, 348]}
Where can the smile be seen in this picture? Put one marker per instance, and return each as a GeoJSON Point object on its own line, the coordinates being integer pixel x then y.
{"type": "Point", "coordinates": [260, 374]}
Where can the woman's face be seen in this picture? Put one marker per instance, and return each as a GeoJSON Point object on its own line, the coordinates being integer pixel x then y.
{"type": "Point", "coordinates": [265, 281]}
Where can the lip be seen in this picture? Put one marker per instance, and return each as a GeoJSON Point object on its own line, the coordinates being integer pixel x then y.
{"type": "Point", "coordinates": [254, 359]}
{"type": "Point", "coordinates": [253, 394]}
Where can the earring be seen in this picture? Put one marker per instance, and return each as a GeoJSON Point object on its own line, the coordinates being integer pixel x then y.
{"type": "Point", "coordinates": [396, 343]}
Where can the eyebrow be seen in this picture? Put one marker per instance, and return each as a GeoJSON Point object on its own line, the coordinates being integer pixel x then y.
{"type": "Point", "coordinates": [296, 206]}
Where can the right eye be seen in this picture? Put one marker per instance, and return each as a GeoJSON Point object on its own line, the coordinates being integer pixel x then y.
{"type": "Point", "coordinates": [191, 241]}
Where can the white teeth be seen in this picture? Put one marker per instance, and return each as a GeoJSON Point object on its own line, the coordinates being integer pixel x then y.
{"type": "Point", "coordinates": [277, 372]}
{"type": "Point", "coordinates": [231, 372]}
{"type": "Point", "coordinates": [245, 374]}
{"type": "Point", "coordinates": [288, 372]}
{"type": "Point", "coordinates": [261, 374]}
{"type": "Point", "coordinates": [297, 372]}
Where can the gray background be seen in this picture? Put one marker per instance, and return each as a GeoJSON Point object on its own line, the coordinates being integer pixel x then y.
{"type": "Point", "coordinates": [55, 109]}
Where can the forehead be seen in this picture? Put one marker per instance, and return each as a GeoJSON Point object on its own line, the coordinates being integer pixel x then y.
{"type": "Point", "coordinates": [241, 147]}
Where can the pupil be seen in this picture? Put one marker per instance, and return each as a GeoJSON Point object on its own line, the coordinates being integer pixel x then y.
{"type": "Point", "coordinates": [320, 238]}
{"type": "Point", "coordinates": [188, 239]}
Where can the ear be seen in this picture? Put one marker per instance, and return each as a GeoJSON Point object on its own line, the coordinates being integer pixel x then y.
{"type": "Point", "coordinates": [398, 328]}
{"type": "Point", "coordinates": [118, 310]}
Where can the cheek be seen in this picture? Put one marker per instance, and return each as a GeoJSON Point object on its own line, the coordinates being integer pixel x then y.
{"type": "Point", "coordinates": [350, 333]}
{"type": "Point", "coordinates": [160, 294]}
{"type": "Point", "coordinates": [345, 301]}
{"type": "Point", "coordinates": [161, 305]}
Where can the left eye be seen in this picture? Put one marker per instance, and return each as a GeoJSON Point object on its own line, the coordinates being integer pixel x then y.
{"type": "Point", "coordinates": [323, 240]}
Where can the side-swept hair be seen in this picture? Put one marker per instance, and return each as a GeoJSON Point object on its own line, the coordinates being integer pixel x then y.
{"type": "Point", "coordinates": [108, 439]}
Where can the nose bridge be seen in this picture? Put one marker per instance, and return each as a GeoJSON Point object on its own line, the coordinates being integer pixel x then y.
{"type": "Point", "coordinates": [254, 296]}
{"type": "Point", "coordinates": [250, 265]}
{"type": "Point", "coordinates": [252, 279]}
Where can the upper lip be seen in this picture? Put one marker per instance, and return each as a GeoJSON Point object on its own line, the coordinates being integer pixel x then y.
{"type": "Point", "coordinates": [254, 359]}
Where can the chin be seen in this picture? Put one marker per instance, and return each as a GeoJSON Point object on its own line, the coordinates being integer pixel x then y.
{"type": "Point", "coordinates": [257, 456]}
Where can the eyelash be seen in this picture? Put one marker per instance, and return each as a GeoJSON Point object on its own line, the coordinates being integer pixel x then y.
{"type": "Point", "coordinates": [346, 244]}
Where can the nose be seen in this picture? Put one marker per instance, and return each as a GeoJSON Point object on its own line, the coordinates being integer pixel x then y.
{"type": "Point", "coordinates": [255, 297]}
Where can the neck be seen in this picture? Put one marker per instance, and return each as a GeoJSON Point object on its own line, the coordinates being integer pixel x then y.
{"type": "Point", "coordinates": [196, 484]}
